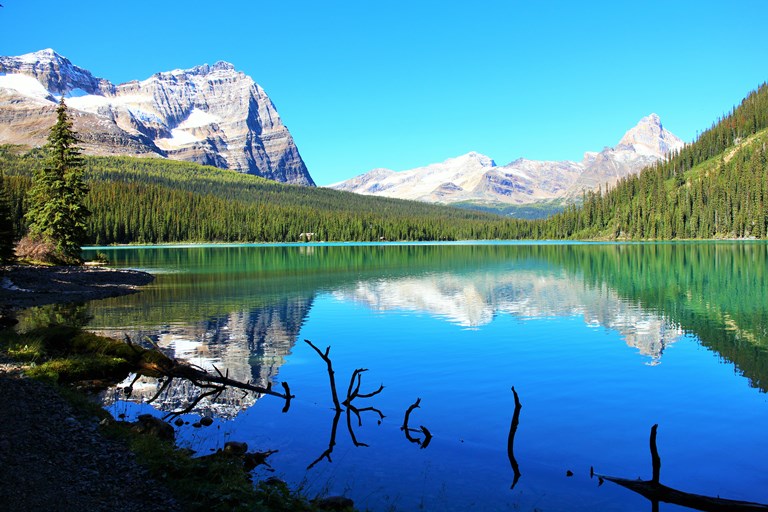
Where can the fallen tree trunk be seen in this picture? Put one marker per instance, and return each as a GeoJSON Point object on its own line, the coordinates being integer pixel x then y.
{"type": "Point", "coordinates": [656, 492]}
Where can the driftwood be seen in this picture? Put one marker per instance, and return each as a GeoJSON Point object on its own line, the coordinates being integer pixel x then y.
{"type": "Point", "coordinates": [153, 363]}
{"type": "Point", "coordinates": [331, 374]}
{"type": "Point", "coordinates": [654, 491]}
{"type": "Point", "coordinates": [423, 443]}
{"type": "Point", "coordinates": [511, 439]}
{"type": "Point", "coordinates": [353, 392]}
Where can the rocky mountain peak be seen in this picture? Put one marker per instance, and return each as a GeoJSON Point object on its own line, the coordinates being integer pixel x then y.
{"type": "Point", "coordinates": [475, 178]}
{"type": "Point", "coordinates": [205, 69]}
{"type": "Point", "coordinates": [55, 72]}
{"type": "Point", "coordinates": [472, 158]}
{"type": "Point", "coordinates": [649, 137]}
{"type": "Point", "coordinates": [212, 115]}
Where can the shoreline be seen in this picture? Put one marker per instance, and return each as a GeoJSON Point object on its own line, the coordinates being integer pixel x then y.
{"type": "Point", "coordinates": [25, 286]}
{"type": "Point", "coordinates": [329, 243]}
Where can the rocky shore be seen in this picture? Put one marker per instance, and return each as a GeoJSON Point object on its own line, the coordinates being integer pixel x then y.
{"type": "Point", "coordinates": [23, 286]}
{"type": "Point", "coordinates": [51, 457]}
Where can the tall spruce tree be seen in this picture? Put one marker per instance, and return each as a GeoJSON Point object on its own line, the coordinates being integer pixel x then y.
{"type": "Point", "coordinates": [7, 233]}
{"type": "Point", "coordinates": [57, 214]}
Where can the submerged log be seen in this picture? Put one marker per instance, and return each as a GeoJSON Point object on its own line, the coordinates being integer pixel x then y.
{"type": "Point", "coordinates": [656, 492]}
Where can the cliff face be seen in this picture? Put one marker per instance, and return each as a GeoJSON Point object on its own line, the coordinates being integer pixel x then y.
{"type": "Point", "coordinates": [212, 115]}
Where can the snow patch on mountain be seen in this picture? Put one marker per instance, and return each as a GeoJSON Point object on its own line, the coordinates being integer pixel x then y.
{"type": "Point", "coordinates": [26, 85]}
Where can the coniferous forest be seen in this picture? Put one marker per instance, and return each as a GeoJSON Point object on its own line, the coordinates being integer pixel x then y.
{"type": "Point", "coordinates": [146, 200]}
{"type": "Point", "coordinates": [716, 187]}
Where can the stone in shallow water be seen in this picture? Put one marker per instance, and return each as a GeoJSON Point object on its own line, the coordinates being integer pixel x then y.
{"type": "Point", "coordinates": [235, 447]}
{"type": "Point", "coordinates": [148, 424]}
{"type": "Point", "coordinates": [334, 503]}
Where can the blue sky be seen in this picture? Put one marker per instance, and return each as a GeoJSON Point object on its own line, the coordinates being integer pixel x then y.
{"type": "Point", "coordinates": [400, 84]}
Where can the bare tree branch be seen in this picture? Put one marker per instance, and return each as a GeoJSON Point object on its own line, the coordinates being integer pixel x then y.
{"type": "Point", "coordinates": [511, 439]}
{"type": "Point", "coordinates": [331, 378]}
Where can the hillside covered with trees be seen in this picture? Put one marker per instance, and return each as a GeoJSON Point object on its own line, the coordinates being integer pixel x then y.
{"type": "Point", "coordinates": [148, 200]}
{"type": "Point", "coordinates": [716, 187]}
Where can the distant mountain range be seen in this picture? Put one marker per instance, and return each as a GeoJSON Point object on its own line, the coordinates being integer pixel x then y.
{"type": "Point", "coordinates": [475, 178]}
{"type": "Point", "coordinates": [212, 115]}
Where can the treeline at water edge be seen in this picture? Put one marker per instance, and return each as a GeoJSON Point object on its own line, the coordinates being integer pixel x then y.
{"type": "Point", "coordinates": [147, 200]}
{"type": "Point", "coordinates": [715, 187]}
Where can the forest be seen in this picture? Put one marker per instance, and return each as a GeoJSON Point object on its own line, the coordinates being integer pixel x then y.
{"type": "Point", "coordinates": [715, 187]}
{"type": "Point", "coordinates": [149, 200]}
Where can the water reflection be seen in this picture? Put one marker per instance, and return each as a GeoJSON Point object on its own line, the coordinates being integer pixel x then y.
{"type": "Point", "coordinates": [457, 325]}
{"type": "Point", "coordinates": [242, 308]}
{"type": "Point", "coordinates": [250, 345]}
{"type": "Point", "coordinates": [474, 299]}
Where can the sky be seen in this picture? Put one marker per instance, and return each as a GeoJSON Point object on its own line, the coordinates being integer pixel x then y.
{"type": "Point", "coordinates": [401, 84]}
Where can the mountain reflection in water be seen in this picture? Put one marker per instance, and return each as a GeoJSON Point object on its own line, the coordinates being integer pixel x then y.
{"type": "Point", "coordinates": [458, 325]}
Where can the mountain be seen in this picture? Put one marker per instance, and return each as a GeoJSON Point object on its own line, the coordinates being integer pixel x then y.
{"type": "Point", "coordinates": [714, 187]}
{"type": "Point", "coordinates": [212, 115]}
{"type": "Point", "coordinates": [476, 178]}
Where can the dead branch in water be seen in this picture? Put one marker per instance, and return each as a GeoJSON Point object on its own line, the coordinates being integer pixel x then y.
{"type": "Point", "coordinates": [153, 363]}
{"type": "Point", "coordinates": [656, 492]}
{"type": "Point", "coordinates": [423, 443]}
{"type": "Point", "coordinates": [511, 438]}
{"type": "Point", "coordinates": [331, 378]}
{"type": "Point", "coordinates": [353, 392]}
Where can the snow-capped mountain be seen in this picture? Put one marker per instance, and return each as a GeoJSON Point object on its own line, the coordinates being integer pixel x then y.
{"type": "Point", "coordinates": [476, 178]}
{"type": "Point", "coordinates": [212, 115]}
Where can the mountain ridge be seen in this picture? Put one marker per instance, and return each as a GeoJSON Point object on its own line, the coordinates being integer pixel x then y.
{"type": "Point", "coordinates": [475, 177]}
{"type": "Point", "coordinates": [208, 114]}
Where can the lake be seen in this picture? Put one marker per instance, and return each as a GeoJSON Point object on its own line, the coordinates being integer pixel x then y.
{"type": "Point", "coordinates": [600, 341]}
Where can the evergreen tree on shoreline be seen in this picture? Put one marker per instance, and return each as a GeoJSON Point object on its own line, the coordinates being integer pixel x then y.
{"type": "Point", "coordinates": [57, 214]}
{"type": "Point", "coordinates": [7, 234]}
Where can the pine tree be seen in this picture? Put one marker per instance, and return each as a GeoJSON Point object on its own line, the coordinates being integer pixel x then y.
{"type": "Point", "coordinates": [57, 214]}
{"type": "Point", "coordinates": [7, 234]}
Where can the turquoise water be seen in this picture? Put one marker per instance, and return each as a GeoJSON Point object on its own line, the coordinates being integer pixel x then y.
{"type": "Point", "coordinates": [601, 341]}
